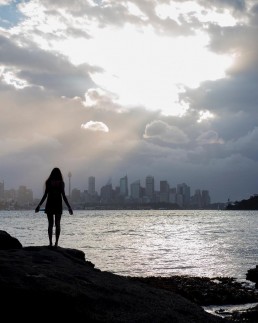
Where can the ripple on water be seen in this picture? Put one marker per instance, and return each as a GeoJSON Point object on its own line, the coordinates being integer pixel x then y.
{"type": "Point", "coordinates": [201, 243]}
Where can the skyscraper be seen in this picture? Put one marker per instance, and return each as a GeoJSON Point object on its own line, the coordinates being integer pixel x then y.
{"type": "Point", "coordinates": [206, 200]}
{"type": "Point", "coordinates": [91, 185]}
{"type": "Point", "coordinates": [184, 190]}
{"type": "Point", "coordinates": [107, 193]}
{"type": "Point", "coordinates": [164, 191]}
{"type": "Point", "coordinates": [123, 188]}
{"type": "Point", "coordinates": [149, 184]}
{"type": "Point", "coordinates": [197, 199]}
{"type": "Point", "coordinates": [136, 190]}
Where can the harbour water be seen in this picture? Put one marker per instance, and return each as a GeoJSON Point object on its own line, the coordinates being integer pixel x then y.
{"type": "Point", "coordinates": [151, 242]}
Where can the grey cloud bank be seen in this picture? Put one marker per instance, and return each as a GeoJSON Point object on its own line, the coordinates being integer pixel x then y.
{"type": "Point", "coordinates": [51, 100]}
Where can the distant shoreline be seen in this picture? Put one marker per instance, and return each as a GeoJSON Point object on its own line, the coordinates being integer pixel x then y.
{"type": "Point", "coordinates": [154, 206]}
{"type": "Point", "coordinates": [250, 204]}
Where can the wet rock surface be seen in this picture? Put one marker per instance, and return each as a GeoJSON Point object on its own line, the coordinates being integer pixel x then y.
{"type": "Point", "coordinates": [252, 275]}
{"type": "Point", "coordinates": [206, 291]}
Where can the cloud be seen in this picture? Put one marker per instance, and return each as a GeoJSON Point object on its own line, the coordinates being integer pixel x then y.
{"type": "Point", "coordinates": [245, 145]}
{"type": "Point", "coordinates": [239, 5]}
{"type": "Point", "coordinates": [17, 145]}
{"type": "Point", "coordinates": [99, 99]}
{"type": "Point", "coordinates": [95, 126]}
{"type": "Point", "coordinates": [161, 130]}
{"type": "Point", "coordinates": [149, 70]}
{"type": "Point", "coordinates": [5, 2]}
{"type": "Point", "coordinates": [50, 71]}
{"type": "Point", "coordinates": [209, 137]}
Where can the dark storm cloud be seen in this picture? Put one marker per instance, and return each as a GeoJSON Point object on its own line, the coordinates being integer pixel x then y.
{"type": "Point", "coordinates": [233, 100]}
{"type": "Point", "coordinates": [49, 70]}
{"type": "Point", "coordinates": [161, 130]}
{"type": "Point", "coordinates": [239, 5]}
{"type": "Point", "coordinates": [217, 5]}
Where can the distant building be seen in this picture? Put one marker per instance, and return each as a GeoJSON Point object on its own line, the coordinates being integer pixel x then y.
{"type": "Point", "coordinates": [24, 196]}
{"type": "Point", "coordinates": [150, 187]}
{"type": "Point", "coordinates": [10, 195]}
{"type": "Point", "coordinates": [136, 190]}
{"type": "Point", "coordinates": [180, 200]}
{"type": "Point", "coordinates": [2, 191]}
{"type": "Point", "coordinates": [206, 200]}
{"type": "Point", "coordinates": [172, 195]}
{"type": "Point", "coordinates": [201, 199]}
{"type": "Point", "coordinates": [164, 192]}
{"type": "Point", "coordinates": [197, 199]}
{"type": "Point", "coordinates": [123, 188]}
{"type": "Point", "coordinates": [106, 194]}
{"type": "Point", "coordinates": [184, 190]}
{"type": "Point", "coordinates": [76, 195]}
{"type": "Point", "coordinates": [91, 185]}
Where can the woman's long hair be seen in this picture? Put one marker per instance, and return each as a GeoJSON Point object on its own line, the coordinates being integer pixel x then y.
{"type": "Point", "coordinates": [55, 175]}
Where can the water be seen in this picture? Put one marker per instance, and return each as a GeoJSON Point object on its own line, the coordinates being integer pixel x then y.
{"type": "Point", "coordinates": [151, 242]}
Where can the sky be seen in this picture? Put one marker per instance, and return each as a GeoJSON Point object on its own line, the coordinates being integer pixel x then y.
{"type": "Point", "coordinates": [142, 87]}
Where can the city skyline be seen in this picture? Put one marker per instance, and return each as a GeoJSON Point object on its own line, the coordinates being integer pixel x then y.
{"type": "Point", "coordinates": [137, 87]}
{"type": "Point", "coordinates": [98, 184]}
{"type": "Point", "coordinates": [90, 186]}
{"type": "Point", "coordinates": [123, 193]}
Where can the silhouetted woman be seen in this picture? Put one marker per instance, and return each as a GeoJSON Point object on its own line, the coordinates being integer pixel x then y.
{"type": "Point", "coordinates": [55, 193]}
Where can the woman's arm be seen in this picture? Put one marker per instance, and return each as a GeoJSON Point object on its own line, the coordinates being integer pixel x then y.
{"type": "Point", "coordinates": [66, 201]}
{"type": "Point", "coordinates": [41, 201]}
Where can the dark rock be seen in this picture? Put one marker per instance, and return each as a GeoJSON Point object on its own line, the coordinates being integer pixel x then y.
{"type": "Point", "coordinates": [43, 283]}
{"type": "Point", "coordinates": [252, 275]}
{"type": "Point", "coordinates": [8, 242]}
{"type": "Point", "coordinates": [248, 316]}
{"type": "Point", "coordinates": [204, 290]}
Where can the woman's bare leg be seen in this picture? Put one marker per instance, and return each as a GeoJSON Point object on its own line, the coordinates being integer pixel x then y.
{"type": "Point", "coordinates": [50, 218]}
{"type": "Point", "coordinates": [58, 227]}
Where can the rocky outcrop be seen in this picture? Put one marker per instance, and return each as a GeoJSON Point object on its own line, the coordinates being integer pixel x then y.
{"type": "Point", "coordinates": [205, 291]}
{"type": "Point", "coordinates": [43, 283]}
{"type": "Point", "coordinates": [8, 242]}
{"type": "Point", "coordinates": [252, 275]}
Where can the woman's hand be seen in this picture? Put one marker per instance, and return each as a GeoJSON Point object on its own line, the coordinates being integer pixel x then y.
{"type": "Point", "coordinates": [70, 211]}
{"type": "Point", "coordinates": [37, 209]}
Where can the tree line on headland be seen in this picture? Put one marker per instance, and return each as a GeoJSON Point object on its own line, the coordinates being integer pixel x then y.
{"type": "Point", "coordinates": [246, 204]}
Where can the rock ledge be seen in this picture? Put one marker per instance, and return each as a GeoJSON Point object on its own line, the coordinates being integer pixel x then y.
{"type": "Point", "coordinates": [58, 283]}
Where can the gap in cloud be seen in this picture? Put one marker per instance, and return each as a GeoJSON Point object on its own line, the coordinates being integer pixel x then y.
{"type": "Point", "coordinates": [191, 9]}
{"type": "Point", "coordinates": [10, 78]}
{"type": "Point", "coordinates": [9, 14]}
{"type": "Point", "coordinates": [151, 71]}
{"type": "Point", "coordinates": [137, 65]}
